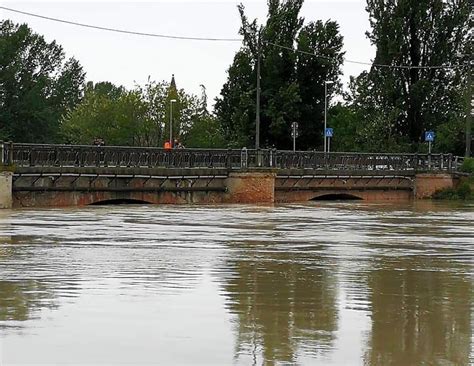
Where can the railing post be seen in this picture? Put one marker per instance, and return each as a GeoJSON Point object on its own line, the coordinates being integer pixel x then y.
{"type": "Point", "coordinates": [10, 153]}
{"type": "Point", "coordinates": [258, 157]}
{"type": "Point", "coordinates": [244, 158]}
{"type": "Point", "coordinates": [450, 162]}
{"type": "Point", "coordinates": [228, 159]}
{"type": "Point", "coordinates": [97, 156]}
{"type": "Point", "coordinates": [56, 156]}
{"type": "Point", "coordinates": [2, 153]}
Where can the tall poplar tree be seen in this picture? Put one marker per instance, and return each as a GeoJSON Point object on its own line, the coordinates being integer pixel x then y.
{"type": "Point", "coordinates": [405, 102]}
{"type": "Point", "coordinates": [292, 83]}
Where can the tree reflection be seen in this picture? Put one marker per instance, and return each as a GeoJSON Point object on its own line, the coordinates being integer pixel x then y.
{"type": "Point", "coordinates": [419, 317]}
{"type": "Point", "coordinates": [20, 298]}
{"type": "Point", "coordinates": [20, 301]}
{"type": "Point", "coordinates": [282, 304]}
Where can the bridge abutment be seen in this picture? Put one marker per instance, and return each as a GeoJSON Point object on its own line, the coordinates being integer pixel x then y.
{"type": "Point", "coordinates": [250, 187]}
{"type": "Point", "coordinates": [6, 199]}
{"type": "Point", "coordinates": [427, 184]}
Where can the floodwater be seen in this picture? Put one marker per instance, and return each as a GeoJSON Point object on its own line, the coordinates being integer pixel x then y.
{"type": "Point", "coordinates": [324, 283]}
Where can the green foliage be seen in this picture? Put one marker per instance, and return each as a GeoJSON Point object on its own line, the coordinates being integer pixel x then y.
{"type": "Point", "coordinates": [37, 85]}
{"type": "Point", "coordinates": [140, 117]}
{"type": "Point", "coordinates": [292, 84]}
{"type": "Point", "coordinates": [399, 104]}
{"type": "Point", "coordinates": [116, 119]}
{"type": "Point", "coordinates": [205, 132]}
{"type": "Point", "coordinates": [7, 168]}
{"type": "Point", "coordinates": [463, 192]}
{"type": "Point", "coordinates": [468, 166]}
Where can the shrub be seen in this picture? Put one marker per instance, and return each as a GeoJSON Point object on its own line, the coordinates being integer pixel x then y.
{"type": "Point", "coordinates": [462, 192]}
{"type": "Point", "coordinates": [468, 166]}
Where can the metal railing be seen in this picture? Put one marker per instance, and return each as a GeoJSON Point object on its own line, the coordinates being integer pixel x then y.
{"type": "Point", "coordinates": [41, 155]}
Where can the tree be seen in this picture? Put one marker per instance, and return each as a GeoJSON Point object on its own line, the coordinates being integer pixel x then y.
{"type": "Point", "coordinates": [235, 109]}
{"type": "Point", "coordinates": [290, 80]}
{"type": "Point", "coordinates": [37, 85]}
{"type": "Point", "coordinates": [402, 103]}
{"type": "Point", "coordinates": [205, 130]}
{"type": "Point", "coordinates": [111, 113]}
{"type": "Point", "coordinates": [140, 117]}
{"type": "Point", "coordinates": [312, 72]}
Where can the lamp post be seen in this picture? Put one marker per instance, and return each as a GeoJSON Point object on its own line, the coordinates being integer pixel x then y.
{"type": "Point", "coordinates": [171, 121]}
{"type": "Point", "coordinates": [326, 83]}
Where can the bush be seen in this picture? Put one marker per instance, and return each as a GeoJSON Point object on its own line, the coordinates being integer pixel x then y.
{"type": "Point", "coordinates": [462, 192]}
{"type": "Point", "coordinates": [468, 166]}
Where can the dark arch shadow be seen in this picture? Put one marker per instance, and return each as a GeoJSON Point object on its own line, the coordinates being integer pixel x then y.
{"type": "Point", "coordinates": [336, 197]}
{"type": "Point", "coordinates": [120, 201]}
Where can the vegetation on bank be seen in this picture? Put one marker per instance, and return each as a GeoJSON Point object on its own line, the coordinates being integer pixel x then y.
{"type": "Point", "coordinates": [465, 190]}
{"type": "Point", "coordinates": [7, 168]}
{"type": "Point", "coordinates": [44, 97]}
{"type": "Point", "coordinates": [467, 166]}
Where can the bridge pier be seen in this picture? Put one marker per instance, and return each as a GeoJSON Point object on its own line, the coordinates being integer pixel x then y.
{"type": "Point", "coordinates": [6, 199]}
{"type": "Point", "coordinates": [251, 187]}
{"type": "Point", "coordinates": [427, 184]}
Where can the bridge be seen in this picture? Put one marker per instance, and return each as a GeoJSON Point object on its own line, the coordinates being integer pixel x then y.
{"type": "Point", "coordinates": [69, 175]}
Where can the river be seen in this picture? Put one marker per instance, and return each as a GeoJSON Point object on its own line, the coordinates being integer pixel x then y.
{"type": "Point", "coordinates": [323, 283]}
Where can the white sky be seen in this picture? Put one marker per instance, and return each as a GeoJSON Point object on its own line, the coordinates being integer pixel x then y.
{"type": "Point", "coordinates": [128, 59]}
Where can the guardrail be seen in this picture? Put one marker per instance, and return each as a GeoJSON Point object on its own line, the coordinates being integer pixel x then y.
{"type": "Point", "coordinates": [40, 155]}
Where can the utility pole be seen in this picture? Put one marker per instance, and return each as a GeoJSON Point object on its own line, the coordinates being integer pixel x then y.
{"type": "Point", "coordinates": [257, 114]}
{"type": "Point", "coordinates": [469, 106]}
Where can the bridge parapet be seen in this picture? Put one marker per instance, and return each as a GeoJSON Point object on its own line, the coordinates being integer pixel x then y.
{"type": "Point", "coordinates": [40, 155]}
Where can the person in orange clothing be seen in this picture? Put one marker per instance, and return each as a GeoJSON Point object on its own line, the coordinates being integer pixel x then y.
{"type": "Point", "coordinates": [167, 145]}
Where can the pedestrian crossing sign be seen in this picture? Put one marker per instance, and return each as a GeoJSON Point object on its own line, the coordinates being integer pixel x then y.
{"type": "Point", "coordinates": [429, 136]}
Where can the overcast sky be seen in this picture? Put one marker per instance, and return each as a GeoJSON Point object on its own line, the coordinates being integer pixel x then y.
{"type": "Point", "coordinates": [127, 59]}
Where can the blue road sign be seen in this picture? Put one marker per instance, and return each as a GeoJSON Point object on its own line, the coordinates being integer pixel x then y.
{"type": "Point", "coordinates": [329, 132]}
{"type": "Point", "coordinates": [429, 136]}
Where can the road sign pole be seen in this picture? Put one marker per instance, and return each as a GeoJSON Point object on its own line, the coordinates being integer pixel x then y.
{"type": "Point", "coordinates": [429, 147]}
{"type": "Point", "coordinates": [329, 144]}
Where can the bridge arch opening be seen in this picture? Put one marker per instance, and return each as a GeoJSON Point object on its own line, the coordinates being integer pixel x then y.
{"type": "Point", "coordinates": [336, 197]}
{"type": "Point", "coordinates": [120, 201]}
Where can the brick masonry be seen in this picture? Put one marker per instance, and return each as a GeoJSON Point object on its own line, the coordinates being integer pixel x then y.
{"type": "Point", "coordinates": [427, 184]}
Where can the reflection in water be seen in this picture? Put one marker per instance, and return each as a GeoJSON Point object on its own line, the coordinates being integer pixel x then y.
{"type": "Point", "coordinates": [20, 300]}
{"type": "Point", "coordinates": [419, 315]}
{"type": "Point", "coordinates": [282, 304]}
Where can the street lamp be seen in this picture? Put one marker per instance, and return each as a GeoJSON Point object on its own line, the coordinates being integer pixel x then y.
{"type": "Point", "coordinates": [326, 83]}
{"type": "Point", "coordinates": [171, 121]}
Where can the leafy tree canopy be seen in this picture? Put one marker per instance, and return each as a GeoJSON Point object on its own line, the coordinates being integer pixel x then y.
{"type": "Point", "coordinates": [398, 104]}
{"type": "Point", "coordinates": [140, 117]}
{"type": "Point", "coordinates": [292, 83]}
{"type": "Point", "coordinates": [37, 85]}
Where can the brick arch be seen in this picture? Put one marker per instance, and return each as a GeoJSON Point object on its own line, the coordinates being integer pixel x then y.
{"type": "Point", "coordinates": [336, 196]}
{"type": "Point", "coordinates": [120, 201]}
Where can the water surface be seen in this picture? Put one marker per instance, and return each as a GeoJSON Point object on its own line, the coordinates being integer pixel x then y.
{"type": "Point", "coordinates": [328, 283]}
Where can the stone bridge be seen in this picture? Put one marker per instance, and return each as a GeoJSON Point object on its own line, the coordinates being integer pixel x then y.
{"type": "Point", "coordinates": [65, 175]}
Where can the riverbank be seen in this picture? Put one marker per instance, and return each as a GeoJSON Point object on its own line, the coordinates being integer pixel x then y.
{"type": "Point", "coordinates": [465, 188]}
